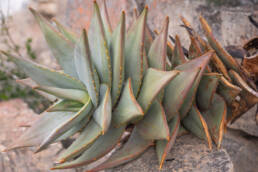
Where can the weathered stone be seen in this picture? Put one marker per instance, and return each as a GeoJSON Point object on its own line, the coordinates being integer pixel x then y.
{"type": "Point", "coordinates": [188, 154]}
{"type": "Point", "coordinates": [230, 24]}
{"type": "Point", "coordinates": [247, 122]}
{"type": "Point", "coordinates": [243, 150]}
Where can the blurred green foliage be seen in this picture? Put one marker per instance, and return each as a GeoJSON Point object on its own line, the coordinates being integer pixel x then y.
{"type": "Point", "coordinates": [9, 73]}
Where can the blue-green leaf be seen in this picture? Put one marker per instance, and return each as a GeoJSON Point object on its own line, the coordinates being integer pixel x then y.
{"type": "Point", "coordinates": [85, 69]}
{"type": "Point", "coordinates": [99, 47]}
{"type": "Point", "coordinates": [103, 113]}
{"type": "Point", "coordinates": [61, 47]}
{"type": "Point", "coordinates": [134, 51]}
{"type": "Point", "coordinates": [117, 54]}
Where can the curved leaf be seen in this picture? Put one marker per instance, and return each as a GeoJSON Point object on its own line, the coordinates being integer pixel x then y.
{"type": "Point", "coordinates": [154, 124]}
{"type": "Point", "coordinates": [227, 59]}
{"type": "Point", "coordinates": [64, 126]}
{"type": "Point", "coordinates": [71, 94]}
{"type": "Point", "coordinates": [154, 81]}
{"type": "Point", "coordinates": [32, 84]}
{"type": "Point", "coordinates": [201, 63]}
{"type": "Point", "coordinates": [215, 60]}
{"type": "Point", "coordinates": [195, 123]}
{"type": "Point", "coordinates": [49, 127]}
{"type": "Point", "coordinates": [176, 91]}
{"type": "Point", "coordinates": [75, 128]}
{"type": "Point", "coordinates": [228, 91]}
{"type": "Point", "coordinates": [220, 67]}
{"type": "Point", "coordinates": [97, 149]}
{"type": "Point", "coordinates": [207, 89]}
{"type": "Point", "coordinates": [132, 149]}
{"type": "Point", "coordinates": [158, 50]}
{"type": "Point", "coordinates": [239, 81]}
{"type": "Point", "coordinates": [41, 129]}
{"type": "Point", "coordinates": [85, 69]}
{"type": "Point", "coordinates": [89, 134]}
{"type": "Point", "coordinates": [65, 105]}
{"type": "Point", "coordinates": [61, 48]}
{"type": "Point", "coordinates": [128, 109]}
{"type": "Point", "coordinates": [117, 54]}
{"type": "Point", "coordinates": [99, 47]}
{"type": "Point", "coordinates": [178, 56]}
{"type": "Point", "coordinates": [215, 118]}
{"type": "Point", "coordinates": [46, 77]}
{"type": "Point", "coordinates": [134, 50]}
{"type": "Point", "coordinates": [103, 113]}
{"type": "Point", "coordinates": [66, 33]}
{"type": "Point", "coordinates": [163, 147]}
{"type": "Point", "coordinates": [106, 22]}
{"type": "Point", "coordinates": [194, 49]}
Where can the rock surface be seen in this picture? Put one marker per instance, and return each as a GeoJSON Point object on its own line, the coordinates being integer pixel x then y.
{"type": "Point", "coordinates": [247, 123]}
{"type": "Point", "coordinates": [188, 154]}
{"type": "Point", "coordinates": [243, 150]}
{"type": "Point", "coordinates": [229, 21]}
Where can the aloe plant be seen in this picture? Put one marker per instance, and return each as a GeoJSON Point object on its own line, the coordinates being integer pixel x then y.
{"type": "Point", "coordinates": [113, 81]}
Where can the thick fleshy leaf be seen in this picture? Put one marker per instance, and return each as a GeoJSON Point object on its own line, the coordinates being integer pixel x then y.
{"type": "Point", "coordinates": [128, 109]}
{"type": "Point", "coordinates": [66, 125]}
{"type": "Point", "coordinates": [99, 47]}
{"type": "Point", "coordinates": [85, 69]}
{"type": "Point", "coordinates": [154, 124]}
{"type": "Point", "coordinates": [50, 124]}
{"type": "Point", "coordinates": [135, 146]}
{"type": "Point", "coordinates": [134, 50]}
{"type": "Point", "coordinates": [178, 57]}
{"type": "Point", "coordinates": [71, 94]}
{"type": "Point", "coordinates": [163, 147]}
{"type": "Point", "coordinates": [176, 91]}
{"type": "Point", "coordinates": [75, 128]}
{"type": "Point", "coordinates": [215, 60]}
{"type": "Point", "coordinates": [148, 38]}
{"type": "Point", "coordinates": [194, 49]}
{"type": "Point", "coordinates": [227, 59]}
{"type": "Point", "coordinates": [103, 113]}
{"type": "Point", "coordinates": [158, 51]}
{"type": "Point", "coordinates": [170, 49]}
{"type": "Point", "coordinates": [240, 82]}
{"type": "Point", "coordinates": [195, 123]}
{"type": "Point", "coordinates": [89, 134]}
{"type": "Point", "coordinates": [228, 91]}
{"type": "Point", "coordinates": [32, 84]}
{"type": "Point", "coordinates": [65, 105]}
{"type": "Point", "coordinates": [61, 47]}
{"type": "Point", "coordinates": [106, 22]}
{"type": "Point", "coordinates": [154, 81]}
{"type": "Point", "coordinates": [215, 118]}
{"type": "Point", "coordinates": [103, 145]}
{"type": "Point", "coordinates": [201, 63]}
{"type": "Point", "coordinates": [66, 33]}
{"type": "Point", "coordinates": [219, 66]}
{"type": "Point", "coordinates": [117, 54]}
{"type": "Point", "coordinates": [46, 77]}
{"type": "Point", "coordinates": [207, 89]}
{"type": "Point", "coordinates": [182, 131]}
{"type": "Point", "coordinates": [41, 129]}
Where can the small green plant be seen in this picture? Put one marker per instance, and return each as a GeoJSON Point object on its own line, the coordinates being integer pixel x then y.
{"type": "Point", "coordinates": [113, 81]}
